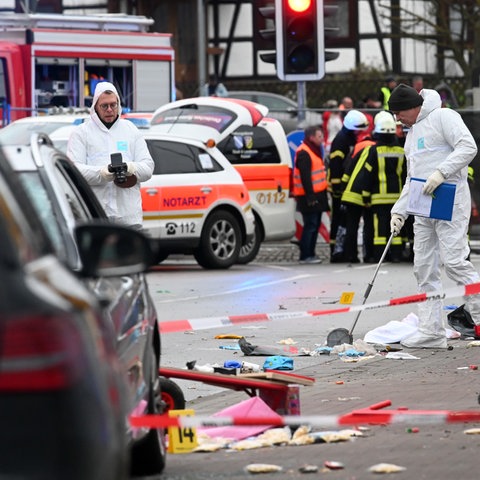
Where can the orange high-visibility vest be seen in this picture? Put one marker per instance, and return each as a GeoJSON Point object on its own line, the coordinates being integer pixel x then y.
{"type": "Point", "coordinates": [361, 145]}
{"type": "Point", "coordinates": [319, 173]}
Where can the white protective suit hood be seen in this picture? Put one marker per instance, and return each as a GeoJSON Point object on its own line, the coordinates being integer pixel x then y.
{"type": "Point", "coordinates": [431, 101]}
{"type": "Point", "coordinates": [101, 88]}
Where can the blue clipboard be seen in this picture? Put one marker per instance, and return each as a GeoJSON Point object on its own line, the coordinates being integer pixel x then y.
{"type": "Point", "coordinates": [438, 206]}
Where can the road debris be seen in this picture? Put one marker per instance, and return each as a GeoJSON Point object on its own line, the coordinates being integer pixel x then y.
{"type": "Point", "coordinates": [228, 336]}
{"type": "Point", "coordinates": [263, 468]}
{"type": "Point", "coordinates": [413, 430]}
{"type": "Point", "coordinates": [333, 465]}
{"type": "Point", "coordinates": [308, 469]}
{"type": "Point", "coordinates": [386, 468]}
{"type": "Point", "coordinates": [274, 436]}
{"type": "Point", "coordinates": [401, 356]}
{"type": "Point", "coordinates": [472, 431]}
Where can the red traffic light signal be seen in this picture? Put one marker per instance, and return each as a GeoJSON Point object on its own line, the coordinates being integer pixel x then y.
{"type": "Point", "coordinates": [300, 39]}
{"type": "Point", "coordinates": [299, 6]}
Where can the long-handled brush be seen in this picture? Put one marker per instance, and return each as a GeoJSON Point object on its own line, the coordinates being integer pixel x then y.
{"type": "Point", "coordinates": [338, 336]}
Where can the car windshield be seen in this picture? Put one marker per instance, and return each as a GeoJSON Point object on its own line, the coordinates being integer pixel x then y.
{"type": "Point", "coordinates": [177, 157]}
{"type": "Point", "coordinates": [205, 115]}
{"type": "Point", "coordinates": [20, 133]}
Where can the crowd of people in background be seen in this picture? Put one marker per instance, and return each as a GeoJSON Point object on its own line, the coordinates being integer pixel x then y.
{"type": "Point", "coordinates": [356, 160]}
{"type": "Point", "coordinates": [365, 167]}
{"type": "Point", "coordinates": [368, 177]}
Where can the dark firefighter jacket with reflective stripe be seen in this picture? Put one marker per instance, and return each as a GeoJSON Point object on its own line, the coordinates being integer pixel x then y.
{"type": "Point", "coordinates": [318, 173]}
{"type": "Point", "coordinates": [340, 150]}
{"type": "Point", "coordinates": [378, 177]}
{"type": "Point", "coordinates": [352, 161]}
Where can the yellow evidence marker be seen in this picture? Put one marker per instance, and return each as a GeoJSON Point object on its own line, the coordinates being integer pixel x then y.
{"type": "Point", "coordinates": [181, 439]}
{"type": "Point", "coordinates": [347, 298]}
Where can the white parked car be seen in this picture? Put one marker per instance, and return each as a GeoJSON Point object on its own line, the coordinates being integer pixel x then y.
{"type": "Point", "coordinates": [196, 202]}
{"type": "Point", "coordinates": [254, 144]}
{"type": "Point", "coordinates": [19, 132]}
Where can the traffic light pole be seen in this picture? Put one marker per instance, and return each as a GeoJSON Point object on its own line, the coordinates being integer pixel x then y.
{"type": "Point", "coordinates": [301, 101]}
{"type": "Point", "coordinates": [202, 48]}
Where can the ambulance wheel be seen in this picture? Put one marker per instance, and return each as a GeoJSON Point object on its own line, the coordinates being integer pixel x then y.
{"type": "Point", "coordinates": [249, 251]}
{"type": "Point", "coordinates": [172, 395]}
{"type": "Point", "coordinates": [220, 242]}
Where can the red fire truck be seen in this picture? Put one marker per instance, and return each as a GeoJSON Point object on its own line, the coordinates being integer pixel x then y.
{"type": "Point", "coordinates": [52, 60]}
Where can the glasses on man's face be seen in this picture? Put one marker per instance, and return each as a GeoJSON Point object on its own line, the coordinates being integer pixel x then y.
{"type": "Point", "coordinates": [106, 106]}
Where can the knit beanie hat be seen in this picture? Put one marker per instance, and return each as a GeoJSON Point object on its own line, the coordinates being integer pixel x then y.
{"type": "Point", "coordinates": [404, 97]}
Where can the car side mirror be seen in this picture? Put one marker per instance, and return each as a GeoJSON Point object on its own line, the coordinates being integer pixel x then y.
{"type": "Point", "coordinates": [108, 250]}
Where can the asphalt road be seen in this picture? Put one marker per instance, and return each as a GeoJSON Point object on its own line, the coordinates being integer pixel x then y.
{"type": "Point", "coordinates": [437, 381]}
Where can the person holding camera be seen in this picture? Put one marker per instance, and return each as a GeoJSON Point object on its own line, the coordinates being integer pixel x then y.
{"type": "Point", "coordinates": [113, 156]}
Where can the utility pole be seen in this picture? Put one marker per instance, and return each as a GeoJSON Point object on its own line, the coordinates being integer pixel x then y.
{"type": "Point", "coordinates": [202, 68]}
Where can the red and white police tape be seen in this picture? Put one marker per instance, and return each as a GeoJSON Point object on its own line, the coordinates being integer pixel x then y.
{"type": "Point", "coordinates": [373, 415]}
{"type": "Point", "coordinates": [217, 322]}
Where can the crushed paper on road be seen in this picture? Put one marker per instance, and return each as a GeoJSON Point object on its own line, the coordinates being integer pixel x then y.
{"type": "Point", "coordinates": [263, 468]}
{"type": "Point", "coordinates": [472, 431]}
{"type": "Point", "coordinates": [386, 468]}
{"type": "Point", "coordinates": [274, 436]}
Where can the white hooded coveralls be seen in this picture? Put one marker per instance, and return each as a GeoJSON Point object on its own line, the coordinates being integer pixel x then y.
{"type": "Point", "coordinates": [440, 140]}
{"type": "Point", "coordinates": [90, 146]}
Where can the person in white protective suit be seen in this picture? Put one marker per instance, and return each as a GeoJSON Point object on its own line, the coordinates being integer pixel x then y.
{"type": "Point", "coordinates": [438, 148]}
{"type": "Point", "coordinates": [90, 147]}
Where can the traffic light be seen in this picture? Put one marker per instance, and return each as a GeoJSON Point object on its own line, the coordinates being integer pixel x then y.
{"type": "Point", "coordinates": [299, 39]}
{"type": "Point", "coordinates": [266, 32]}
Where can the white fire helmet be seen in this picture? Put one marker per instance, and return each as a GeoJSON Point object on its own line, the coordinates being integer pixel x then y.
{"type": "Point", "coordinates": [355, 120]}
{"type": "Point", "coordinates": [384, 123]}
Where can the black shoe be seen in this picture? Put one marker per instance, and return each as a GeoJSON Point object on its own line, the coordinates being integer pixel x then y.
{"type": "Point", "coordinates": [353, 260]}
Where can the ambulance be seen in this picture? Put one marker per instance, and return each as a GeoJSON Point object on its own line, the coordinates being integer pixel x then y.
{"type": "Point", "coordinates": [195, 203]}
{"type": "Point", "coordinates": [53, 60]}
{"type": "Point", "coordinates": [254, 144]}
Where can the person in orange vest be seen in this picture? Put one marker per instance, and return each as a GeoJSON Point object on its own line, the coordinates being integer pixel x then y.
{"type": "Point", "coordinates": [310, 190]}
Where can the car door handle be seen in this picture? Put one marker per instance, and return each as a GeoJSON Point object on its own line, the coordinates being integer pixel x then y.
{"type": "Point", "coordinates": [151, 191]}
{"type": "Point", "coordinates": [206, 189]}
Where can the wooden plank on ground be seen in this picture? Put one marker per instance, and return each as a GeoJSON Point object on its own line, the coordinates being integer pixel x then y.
{"type": "Point", "coordinates": [284, 377]}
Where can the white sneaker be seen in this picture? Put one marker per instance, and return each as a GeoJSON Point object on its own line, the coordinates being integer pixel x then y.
{"type": "Point", "coordinates": [424, 340]}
